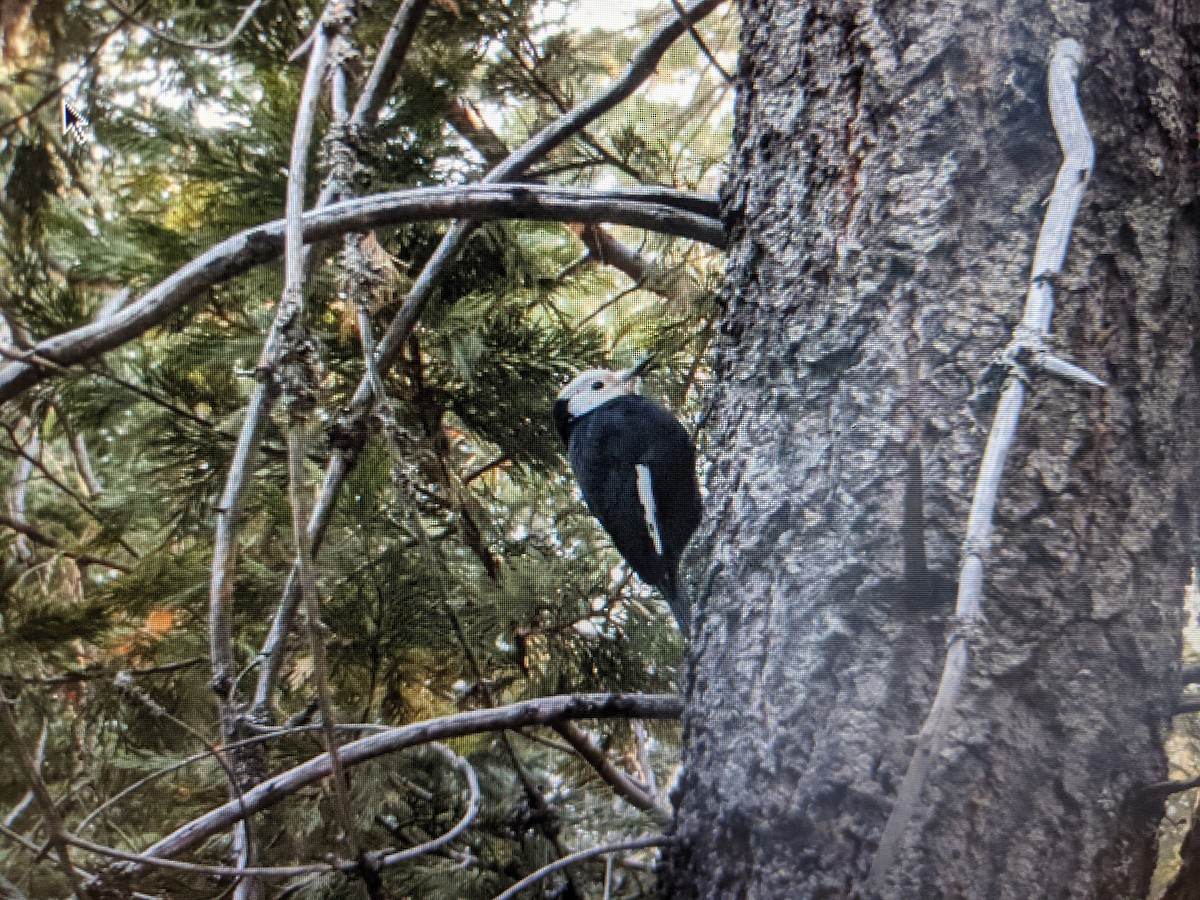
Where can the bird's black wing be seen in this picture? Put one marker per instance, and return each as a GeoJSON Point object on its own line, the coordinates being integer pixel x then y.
{"type": "Point", "coordinates": [628, 440]}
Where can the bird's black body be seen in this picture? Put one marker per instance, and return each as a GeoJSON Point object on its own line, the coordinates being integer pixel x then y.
{"type": "Point", "coordinates": [611, 447]}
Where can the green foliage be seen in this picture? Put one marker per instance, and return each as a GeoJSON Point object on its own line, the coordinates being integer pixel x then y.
{"type": "Point", "coordinates": [459, 569]}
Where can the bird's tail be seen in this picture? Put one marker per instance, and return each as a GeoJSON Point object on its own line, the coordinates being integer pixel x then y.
{"type": "Point", "coordinates": [676, 595]}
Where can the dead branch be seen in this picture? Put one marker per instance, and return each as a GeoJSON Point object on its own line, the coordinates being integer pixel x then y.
{"type": "Point", "coordinates": [544, 711]}
{"type": "Point", "coordinates": [1078, 157]}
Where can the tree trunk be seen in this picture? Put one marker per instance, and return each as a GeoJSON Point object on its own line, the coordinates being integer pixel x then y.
{"type": "Point", "coordinates": [890, 163]}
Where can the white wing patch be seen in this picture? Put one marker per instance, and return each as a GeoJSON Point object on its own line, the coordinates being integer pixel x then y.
{"type": "Point", "coordinates": [646, 495]}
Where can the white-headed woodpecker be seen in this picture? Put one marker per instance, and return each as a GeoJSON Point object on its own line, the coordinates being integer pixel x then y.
{"type": "Point", "coordinates": [636, 467]}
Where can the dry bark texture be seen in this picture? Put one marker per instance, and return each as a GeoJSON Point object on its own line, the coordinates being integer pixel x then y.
{"type": "Point", "coordinates": [890, 163]}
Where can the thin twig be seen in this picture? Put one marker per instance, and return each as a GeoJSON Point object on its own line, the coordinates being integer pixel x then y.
{"type": "Point", "coordinates": [79, 499]}
{"type": "Point", "coordinates": [1078, 157]}
{"type": "Point", "coordinates": [474, 803]}
{"type": "Point", "coordinates": [699, 42]}
{"type": "Point", "coordinates": [340, 787]}
{"type": "Point", "coordinates": [82, 676]}
{"type": "Point", "coordinates": [581, 856]}
{"type": "Point", "coordinates": [165, 36]}
{"type": "Point", "coordinates": [41, 793]}
{"type": "Point", "coordinates": [40, 537]}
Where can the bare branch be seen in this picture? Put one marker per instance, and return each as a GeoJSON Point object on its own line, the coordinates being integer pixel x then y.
{"type": "Point", "coordinates": [1078, 157]}
{"type": "Point", "coordinates": [620, 782]}
{"type": "Point", "coordinates": [288, 317]}
{"type": "Point", "coordinates": [699, 42]}
{"type": "Point", "coordinates": [581, 856]}
{"type": "Point", "coordinates": [223, 44]}
{"type": "Point", "coordinates": [657, 209]}
{"type": "Point", "coordinates": [545, 711]}
{"type": "Point", "coordinates": [391, 56]}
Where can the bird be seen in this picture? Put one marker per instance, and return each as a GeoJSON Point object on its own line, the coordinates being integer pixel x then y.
{"type": "Point", "coordinates": [636, 467]}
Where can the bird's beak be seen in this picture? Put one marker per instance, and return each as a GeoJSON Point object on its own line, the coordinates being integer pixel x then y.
{"type": "Point", "coordinates": [639, 370]}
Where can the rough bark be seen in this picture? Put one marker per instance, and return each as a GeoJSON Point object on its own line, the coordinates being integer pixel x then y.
{"type": "Point", "coordinates": [890, 160]}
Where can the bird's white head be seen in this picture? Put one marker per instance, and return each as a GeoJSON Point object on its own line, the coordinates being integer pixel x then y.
{"type": "Point", "coordinates": [595, 387]}
{"type": "Point", "coordinates": [591, 389]}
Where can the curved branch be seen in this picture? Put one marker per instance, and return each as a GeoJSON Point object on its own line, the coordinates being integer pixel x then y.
{"type": "Point", "coordinates": [671, 212]}
{"type": "Point", "coordinates": [545, 711]}
{"type": "Point", "coordinates": [223, 44]}
{"type": "Point", "coordinates": [638, 844]}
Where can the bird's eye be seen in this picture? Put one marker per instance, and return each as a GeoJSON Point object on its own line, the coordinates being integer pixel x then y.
{"type": "Point", "coordinates": [597, 385]}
